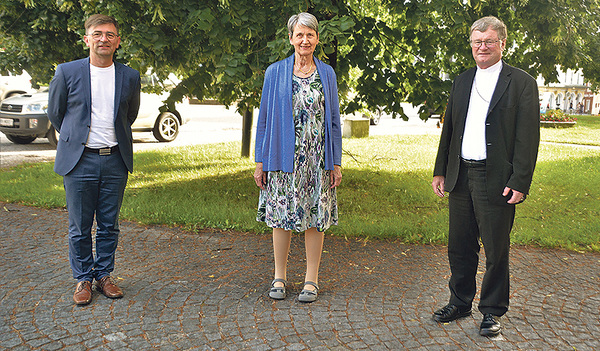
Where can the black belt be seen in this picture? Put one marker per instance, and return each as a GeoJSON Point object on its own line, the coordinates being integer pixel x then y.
{"type": "Point", "coordinates": [473, 163]}
{"type": "Point", "coordinates": [103, 151]}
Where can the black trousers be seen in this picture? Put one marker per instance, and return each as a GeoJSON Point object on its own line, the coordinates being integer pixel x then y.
{"type": "Point", "coordinates": [473, 218]}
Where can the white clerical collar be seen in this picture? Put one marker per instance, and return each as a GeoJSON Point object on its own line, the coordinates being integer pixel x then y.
{"type": "Point", "coordinates": [493, 69]}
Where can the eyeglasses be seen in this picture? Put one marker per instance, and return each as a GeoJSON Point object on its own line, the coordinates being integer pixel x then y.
{"type": "Point", "coordinates": [97, 36]}
{"type": "Point", "coordinates": [488, 43]}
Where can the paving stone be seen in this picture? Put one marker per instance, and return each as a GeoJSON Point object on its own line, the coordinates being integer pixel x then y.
{"type": "Point", "coordinates": [12, 342]}
{"type": "Point", "coordinates": [208, 290]}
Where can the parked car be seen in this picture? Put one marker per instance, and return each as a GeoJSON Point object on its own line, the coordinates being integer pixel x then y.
{"type": "Point", "coordinates": [24, 118]}
{"type": "Point", "coordinates": [15, 85]}
{"type": "Point", "coordinates": [163, 125]}
{"type": "Point", "coordinates": [373, 117]}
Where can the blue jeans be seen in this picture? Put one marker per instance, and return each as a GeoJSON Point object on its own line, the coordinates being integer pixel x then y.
{"type": "Point", "coordinates": [94, 187]}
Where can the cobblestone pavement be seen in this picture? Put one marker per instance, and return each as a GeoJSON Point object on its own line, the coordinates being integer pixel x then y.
{"type": "Point", "coordinates": [207, 290]}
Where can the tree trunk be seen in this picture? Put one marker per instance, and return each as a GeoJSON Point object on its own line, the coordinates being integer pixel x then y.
{"type": "Point", "coordinates": [246, 132]}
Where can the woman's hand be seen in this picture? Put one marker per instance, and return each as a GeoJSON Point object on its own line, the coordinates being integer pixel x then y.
{"type": "Point", "coordinates": [260, 177]}
{"type": "Point", "coordinates": [335, 176]}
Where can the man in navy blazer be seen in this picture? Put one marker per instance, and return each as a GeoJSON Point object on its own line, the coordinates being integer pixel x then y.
{"type": "Point", "coordinates": [92, 104]}
{"type": "Point", "coordinates": [486, 157]}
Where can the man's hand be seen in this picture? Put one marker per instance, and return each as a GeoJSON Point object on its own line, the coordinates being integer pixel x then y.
{"type": "Point", "coordinates": [516, 198]}
{"type": "Point", "coordinates": [438, 185]}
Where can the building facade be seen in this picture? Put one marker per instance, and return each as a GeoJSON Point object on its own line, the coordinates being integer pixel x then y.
{"type": "Point", "coordinates": [571, 94]}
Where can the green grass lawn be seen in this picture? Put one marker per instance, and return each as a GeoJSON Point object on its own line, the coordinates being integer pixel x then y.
{"type": "Point", "coordinates": [385, 192]}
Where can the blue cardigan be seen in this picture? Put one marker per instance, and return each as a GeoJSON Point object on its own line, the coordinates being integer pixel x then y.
{"type": "Point", "coordinates": [275, 135]}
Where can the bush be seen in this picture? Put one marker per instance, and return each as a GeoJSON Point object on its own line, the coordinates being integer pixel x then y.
{"type": "Point", "coordinates": [556, 116]}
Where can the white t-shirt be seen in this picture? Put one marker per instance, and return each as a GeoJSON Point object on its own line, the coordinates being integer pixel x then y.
{"type": "Point", "coordinates": [102, 129]}
{"type": "Point", "coordinates": [484, 84]}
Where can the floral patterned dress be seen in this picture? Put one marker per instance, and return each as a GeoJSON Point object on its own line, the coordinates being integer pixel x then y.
{"type": "Point", "coordinates": [303, 199]}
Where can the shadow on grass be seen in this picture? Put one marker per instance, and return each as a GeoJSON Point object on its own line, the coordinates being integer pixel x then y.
{"type": "Point", "coordinates": [371, 204]}
{"type": "Point", "coordinates": [181, 190]}
{"type": "Point", "coordinates": [562, 210]}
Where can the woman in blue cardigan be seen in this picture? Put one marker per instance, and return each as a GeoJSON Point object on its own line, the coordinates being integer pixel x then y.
{"type": "Point", "coordinates": [298, 153]}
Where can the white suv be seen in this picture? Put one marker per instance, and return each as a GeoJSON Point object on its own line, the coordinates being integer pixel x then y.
{"type": "Point", "coordinates": [24, 118]}
{"type": "Point", "coordinates": [14, 85]}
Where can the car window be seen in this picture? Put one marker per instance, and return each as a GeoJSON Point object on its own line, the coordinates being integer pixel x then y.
{"type": "Point", "coordinates": [147, 81]}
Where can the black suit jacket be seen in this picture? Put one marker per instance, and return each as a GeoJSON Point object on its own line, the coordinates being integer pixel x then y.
{"type": "Point", "coordinates": [512, 132]}
{"type": "Point", "coordinates": [70, 111]}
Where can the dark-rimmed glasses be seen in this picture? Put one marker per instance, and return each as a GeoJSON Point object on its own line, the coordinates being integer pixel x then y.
{"type": "Point", "coordinates": [488, 43]}
{"type": "Point", "coordinates": [97, 36]}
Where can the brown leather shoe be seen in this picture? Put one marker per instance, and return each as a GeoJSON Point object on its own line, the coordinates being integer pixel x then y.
{"type": "Point", "coordinates": [83, 293]}
{"type": "Point", "coordinates": [108, 287]}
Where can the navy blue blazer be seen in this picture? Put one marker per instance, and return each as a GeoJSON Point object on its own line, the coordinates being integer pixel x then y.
{"type": "Point", "coordinates": [70, 111]}
{"type": "Point", "coordinates": [512, 132]}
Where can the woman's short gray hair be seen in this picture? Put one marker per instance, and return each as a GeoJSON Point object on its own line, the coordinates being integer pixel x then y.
{"type": "Point", "coordinates": [482, 24]}
{"type": "Point", "coordinates": [304, 19]}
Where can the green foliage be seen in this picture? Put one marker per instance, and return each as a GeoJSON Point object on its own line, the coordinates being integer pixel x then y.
{"type": "Point", "coordinates": [397, 50]}
{"type": "Point", "coordinates": [34, 35]}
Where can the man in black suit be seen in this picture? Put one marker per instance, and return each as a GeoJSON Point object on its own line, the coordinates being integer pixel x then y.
{"type": "Point", "coordinates": [92, 103]}
{"type": "Point", "coordinates": [486, 157]}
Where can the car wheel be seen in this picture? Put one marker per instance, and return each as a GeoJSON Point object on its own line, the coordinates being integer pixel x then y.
{"type": "Point", "coordinates": [166, 128]}
{"type": "Point", "coordinates": [52, 136]}
{"type": "Point", "coordinates": [375, 118]}
{"type": "Point", "coordinates": [21, 139]}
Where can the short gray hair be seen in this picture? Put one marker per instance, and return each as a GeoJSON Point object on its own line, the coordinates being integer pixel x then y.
{"type": "Point", "coordinates": [484, 23]}
{"type": "Point", "coordinates": [304, 19]}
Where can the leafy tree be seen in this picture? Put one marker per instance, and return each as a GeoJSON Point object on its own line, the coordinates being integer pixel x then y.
{"type": "Point", "coordinates": [415, 48]}
{"type": "Point", "coordinates": [384, 51]}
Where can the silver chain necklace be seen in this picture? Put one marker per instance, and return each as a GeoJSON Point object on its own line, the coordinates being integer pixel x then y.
{"type": "Point", "coordinates": [478, 93]}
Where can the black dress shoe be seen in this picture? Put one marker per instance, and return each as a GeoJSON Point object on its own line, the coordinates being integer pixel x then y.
{"type": "Point", "coordinates": [490, 325]}
{"type": "Point", "coordinates": [450, 313]}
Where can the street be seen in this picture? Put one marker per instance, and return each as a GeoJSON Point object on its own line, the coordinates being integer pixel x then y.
{"type": "Point", "coordinates": [208, 124]}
